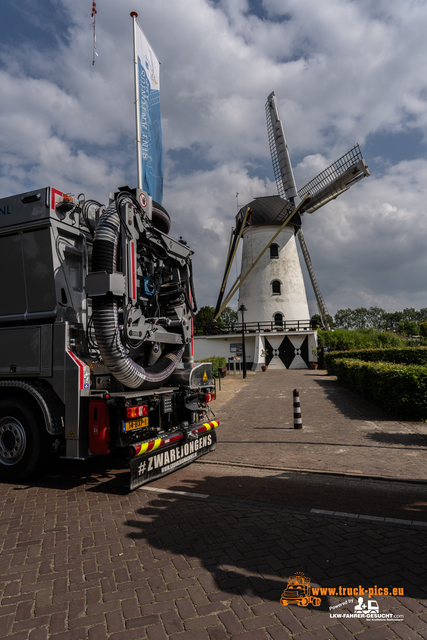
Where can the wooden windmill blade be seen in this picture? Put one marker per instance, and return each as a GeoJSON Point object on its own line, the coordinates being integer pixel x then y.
{"type": "Point", "coordinates": [335, 179]}
{"type": "Point", "coordinates": [281, 160]}
{"type": "Point", "coordinates": [286, 187]}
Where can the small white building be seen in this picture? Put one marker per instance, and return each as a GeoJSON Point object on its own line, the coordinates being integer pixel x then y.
{"type": "Point", "coordinates": [279, 349]}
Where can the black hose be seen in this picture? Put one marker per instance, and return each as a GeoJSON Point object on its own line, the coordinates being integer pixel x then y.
{"type": "Point", "coordinates": [106, 316]}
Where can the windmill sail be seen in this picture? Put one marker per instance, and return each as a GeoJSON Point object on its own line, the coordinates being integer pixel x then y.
{"type": "Point", "coordinates": [279, 151]}
{"type": "Point", "coordinates": [337, 178]}
{"type": "Point", "coordinates": [321, 305]}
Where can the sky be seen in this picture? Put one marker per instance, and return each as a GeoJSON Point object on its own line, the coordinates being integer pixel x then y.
{"type": "Point", "coordinates": [344, 72]}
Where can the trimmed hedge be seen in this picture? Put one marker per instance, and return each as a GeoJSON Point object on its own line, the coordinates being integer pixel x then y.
{"type": "Point", "coordinates": [416, 355]}
{"type": "Point", "coordinates": [399, 388]}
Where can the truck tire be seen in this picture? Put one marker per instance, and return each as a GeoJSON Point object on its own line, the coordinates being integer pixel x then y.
{"type": "Point", "coordinates": [24, 445]}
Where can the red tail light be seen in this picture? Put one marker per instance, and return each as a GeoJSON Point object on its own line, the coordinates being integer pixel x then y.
{"type": "Point", "coordinates": [209, 397]}
{"type": "Point", "coordinates": [137, 412]}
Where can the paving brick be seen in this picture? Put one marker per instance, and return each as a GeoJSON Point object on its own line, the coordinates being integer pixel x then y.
{"type": "Point", "coordinates": [231, 622]}
{"type": "Point", "coordinates": [278, 632]}
{"type": "Point", "coordinates": [141, 622]}
{"type": "Point", "coordinates": [115, 621]}
{"type": "Point", "coordinates": [24, 610]}
{"type": "Point", "coordinates": [259, 634]}
{"type": "Point", "coordinates": [156, 632]}
{"type": "Point", "coordinates": [130, 608]}
{"type": "Point", "coordinates": [339, 632]}
{"type": "Point", "coordinates": [6, 623]}
{"type": "Point", "coordinates": [202, 622]}
{"type": "Point", "coordinates": [268, 607]}
{"type": "Point", "coordinates": [197, 595]}
{"type": "Point", "coordinates": [404, 632]}
{"type": "Point", "coordinates": [315, 634]}
{"type": "Point", "coordinates": [377, 633]}
{"type": "Point", "coordinates": [38, 634]}
{"type": "Point", "coordinates": [198, 634]}
{"type": "Point", "coordinates": [98, 632]}
{"type": "Point", "coordinates": [290, 622]}
{"type": "Point", "coordinates": [172, 622]}
{"type": "Point", "coordinates": [241, 609]}
{"type": "Point", "coordinates": [217, 633]}
{"type": "Point", "coordinates": [186, 608]}
{"type": "Point", "coordinates": [206, 609]}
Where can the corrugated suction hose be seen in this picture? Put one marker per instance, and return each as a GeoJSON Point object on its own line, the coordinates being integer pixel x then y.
{"type": "Point", "coordinates": [106, 316]}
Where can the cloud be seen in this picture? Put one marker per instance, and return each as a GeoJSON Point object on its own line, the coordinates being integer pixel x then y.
{"type": "Point", "coordinates": [343, 72]}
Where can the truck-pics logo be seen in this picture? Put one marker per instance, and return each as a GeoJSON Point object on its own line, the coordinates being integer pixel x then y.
{"type": "Point", "coordinates": [298, 591]}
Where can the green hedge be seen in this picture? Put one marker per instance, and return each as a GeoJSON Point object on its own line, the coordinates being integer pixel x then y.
{"type": "Point", "coordinates": [416, 355]}
{"type": "Point", "coordinates": [399, 388]}
{"type": "Point", "coordinates": [217, 361]}
{"type": "Point", "coordinates": [345, 339]}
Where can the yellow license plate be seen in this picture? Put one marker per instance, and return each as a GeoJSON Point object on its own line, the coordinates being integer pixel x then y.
{"type": "Point", "coordinates": [130, 425]}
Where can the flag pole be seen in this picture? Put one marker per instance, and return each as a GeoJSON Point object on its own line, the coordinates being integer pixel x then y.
{"type": "Point", "coordinates": [134, 16]}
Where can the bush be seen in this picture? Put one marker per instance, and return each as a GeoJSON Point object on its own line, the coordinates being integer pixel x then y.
{"type": "Point", "coordinates": [400, 389]}
{"type": "Point", "coordinates": [346, 339]}
{"type": "Point", "coordinates": [217, 361]}
{"type": "Point", "coordinates": [408, 356]}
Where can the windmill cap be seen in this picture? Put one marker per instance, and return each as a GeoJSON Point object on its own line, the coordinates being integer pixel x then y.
{"type": "Point", "coordinates": [269, 210]}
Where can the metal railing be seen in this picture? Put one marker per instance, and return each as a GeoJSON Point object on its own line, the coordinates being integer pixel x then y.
{"type": "Point", "coordinates": [213, 328]}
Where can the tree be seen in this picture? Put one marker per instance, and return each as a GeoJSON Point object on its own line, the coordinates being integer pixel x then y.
{"type": "Point", "coordinates": [204, 316]}
{"type": "Point", "coordinates": [316, 321]}
{"type": "Point", "coordinates": [408, 328]}
{"type": "Point", "coordinates": [375, 317]}
{"type": "Point", "coordinates": [344, 319]}
{"type": "Point", "coordinates": [411, 314]}
{"type": "Point", "coordinates": [423, 328]}
{"type": "Point", "coordinates": [229, 318]}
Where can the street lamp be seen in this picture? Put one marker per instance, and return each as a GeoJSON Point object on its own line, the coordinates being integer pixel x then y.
{"type": "Point", "coordinates": [242, 308]}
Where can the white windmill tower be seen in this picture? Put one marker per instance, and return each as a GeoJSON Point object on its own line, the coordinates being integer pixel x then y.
{"type": "Point", "coordinates": [271, 282]}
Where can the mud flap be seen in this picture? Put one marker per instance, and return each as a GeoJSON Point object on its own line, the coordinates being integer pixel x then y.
{"type": "Point", "coordinates": [149, 466]}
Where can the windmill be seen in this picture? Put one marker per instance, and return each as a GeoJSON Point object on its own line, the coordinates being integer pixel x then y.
{"type": "Point", "coordinates": [282, 213]}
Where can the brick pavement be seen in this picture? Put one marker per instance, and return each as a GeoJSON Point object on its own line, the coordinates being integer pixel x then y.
{"type": "Point", "coordinates": [81, 561]}
{"type": "Point", "coordinates": [342, 433]}
{"type": "Point", "coordinates": [80, 558]}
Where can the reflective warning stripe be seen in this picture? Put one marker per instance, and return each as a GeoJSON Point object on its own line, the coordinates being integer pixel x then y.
{"type": "Point", "coordinates": [81, 365]}
{"type": "Point", "coordinates": [53, 193]}
{"type": "Point", "coordinates": [151, 445]}
{"type": "Point", "coordinates": [207, 426]}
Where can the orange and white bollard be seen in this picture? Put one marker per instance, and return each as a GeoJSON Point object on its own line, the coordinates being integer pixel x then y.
{"type": "Point", "coordinates": [297, 411]}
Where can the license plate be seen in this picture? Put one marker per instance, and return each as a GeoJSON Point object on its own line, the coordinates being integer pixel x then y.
{"type": "Point", "coordinates": [139, 423]}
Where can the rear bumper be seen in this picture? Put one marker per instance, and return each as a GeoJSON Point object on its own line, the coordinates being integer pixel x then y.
{"type": "Point", "coordinates": [159, 457]}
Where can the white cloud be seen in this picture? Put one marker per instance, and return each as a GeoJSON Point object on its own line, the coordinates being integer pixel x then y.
{"type": "Point", "coordinates": [342, 70]}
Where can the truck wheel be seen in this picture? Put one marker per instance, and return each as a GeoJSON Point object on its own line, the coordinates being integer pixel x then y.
{"type": "Point", "coordinates": [23, 441]}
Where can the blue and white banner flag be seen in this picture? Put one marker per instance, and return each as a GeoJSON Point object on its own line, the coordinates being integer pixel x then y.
{"type": "Point", "coordinates": [149, 116]}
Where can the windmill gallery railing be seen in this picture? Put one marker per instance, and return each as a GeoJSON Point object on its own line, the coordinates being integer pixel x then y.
{"type": "Point", "coordinates": [219, 328]}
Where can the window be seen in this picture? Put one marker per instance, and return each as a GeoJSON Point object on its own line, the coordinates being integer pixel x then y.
{"type": "Point", "coordinates": [274, 251]}
{"type": "Point", "coordinates": [278, 320]}
{"type": "Point", "coordinates": [276, 288]}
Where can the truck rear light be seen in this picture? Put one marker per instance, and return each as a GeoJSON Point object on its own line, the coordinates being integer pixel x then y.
{"type": "Point", "coordinates": [99, 427]}
{"type": "Point", "coordinates": [209, 397]}
{"type": "Point", "coordinates": [137, 412]}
